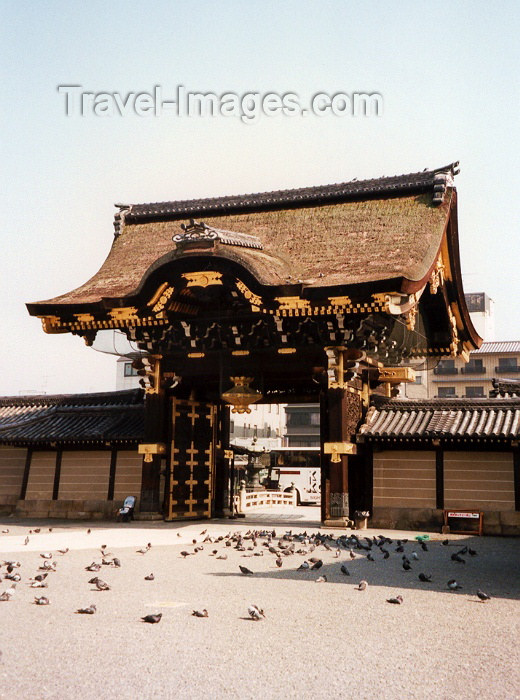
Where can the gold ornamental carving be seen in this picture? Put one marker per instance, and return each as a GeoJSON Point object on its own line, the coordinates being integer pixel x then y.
{"type": "Point", "coordinates": [411, 318]}
{"type": "Point", "coordinates": [161, 298]}
{"type": "Point", "coordinates": [454, 345]}
{"type": "Point", "coordinates": [124, 313]}
{"type": "Point", "coordinates": [396, 375]}
{"type": "Point", "coordinates": [292, 303]}
{"type": "Point", "coordinates": [437, 278]}
{"type": "Point", "coordinates": [336, 449]}
{"type": "Point", "coordinates": [151, 449]}
{"type": "Point", "coordinates": [252, 298]}
{"type": "Point", "coordinates": [204, 279]}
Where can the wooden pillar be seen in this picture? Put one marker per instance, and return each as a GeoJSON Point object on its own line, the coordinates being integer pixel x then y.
{"type": "Point", "coordinates": [155, 410]}
{"type": "Point", "coordinates": [439, 477]}
{"type": "Point", "coordinates": [341, 411]}
{"type": "Point", "coordinates": [57, 474]}
{"type": "Point", "coordinates": [222, 463]}
{"type": "Point", "coordinates": [516, 474]}
{"type": "Point", "coordinates": [26, 471]}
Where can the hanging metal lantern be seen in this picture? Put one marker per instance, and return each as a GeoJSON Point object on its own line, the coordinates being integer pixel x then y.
{"type": "Point", "coordinates": [241, 396]}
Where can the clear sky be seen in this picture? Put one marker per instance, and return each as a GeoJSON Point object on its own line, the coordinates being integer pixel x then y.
{"type": "Point", "coordinates": [447, 72]}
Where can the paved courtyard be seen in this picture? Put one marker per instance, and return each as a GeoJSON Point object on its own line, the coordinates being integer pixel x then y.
{"type": "Point", "coordinates": [318, 640]}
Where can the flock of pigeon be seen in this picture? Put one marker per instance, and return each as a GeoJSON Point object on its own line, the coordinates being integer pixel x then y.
{"type": "Point", "coordinates": [257, 543]}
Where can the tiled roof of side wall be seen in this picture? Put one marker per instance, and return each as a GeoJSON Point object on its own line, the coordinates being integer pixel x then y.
{"type": "Point", "coordinates": [462, 419]}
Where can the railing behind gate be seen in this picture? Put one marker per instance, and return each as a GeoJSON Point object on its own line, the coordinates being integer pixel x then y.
{"type": "Point", "coordinates": [247, 501]}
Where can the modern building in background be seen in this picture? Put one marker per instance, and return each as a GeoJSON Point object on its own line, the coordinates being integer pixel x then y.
{"type": "Point", "coordinates": [453, 378]}
{"type": "Point", "coordinates": [474, 379]}
{"type": "Point", "coordinates": [303, 425]}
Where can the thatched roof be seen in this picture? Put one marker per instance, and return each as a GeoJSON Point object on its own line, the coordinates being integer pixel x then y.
{"type": "Point", "coordinates": [338, 235]}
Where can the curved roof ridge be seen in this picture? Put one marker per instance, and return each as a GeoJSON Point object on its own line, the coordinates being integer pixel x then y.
{"type": "Point", "coordinates": [437, 179]}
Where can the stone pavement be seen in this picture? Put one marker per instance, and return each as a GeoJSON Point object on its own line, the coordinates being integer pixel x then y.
{"type": "Point", "coordinates": [318, 640]}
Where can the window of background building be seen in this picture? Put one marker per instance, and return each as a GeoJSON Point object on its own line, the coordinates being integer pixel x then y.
{"type": "Point", "coordinates": [475, 392]}
{"type": "Point", "coordinates": [129, 370]}
{"type": "Point", "coordinates": [446, 392]}
{"type": "Point", "coordinates": [473, 367]}
{"type": "Point", "coordinates": [446, 367]}
{"type": "Point", "coordinates": [507, 364]}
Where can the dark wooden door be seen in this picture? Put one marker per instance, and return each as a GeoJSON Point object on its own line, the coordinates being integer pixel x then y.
{"type": "Point", "coordinates": [192, 460]}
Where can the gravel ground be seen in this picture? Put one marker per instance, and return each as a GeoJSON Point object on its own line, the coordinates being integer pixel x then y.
{"type": "Point", "coordinates": [318, 640]}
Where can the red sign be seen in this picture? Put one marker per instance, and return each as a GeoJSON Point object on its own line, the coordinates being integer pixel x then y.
{"type": "Point", "coordinates": [455, 514]}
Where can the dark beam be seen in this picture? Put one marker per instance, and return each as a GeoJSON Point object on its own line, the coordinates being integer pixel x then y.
{"type": "Point", "coordinates": [439, 478]}
{"type": "Point", "coordinates": [112, 474]}
{"type": "Point", "coordinates": [27, 469]}
{"type": "Point", "coordinates": [57, 473]}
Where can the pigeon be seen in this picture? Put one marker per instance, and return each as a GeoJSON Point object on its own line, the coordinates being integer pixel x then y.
{"type": "Point", "coordinates": [370, 557]}
{"type": "Point", "coordinates": [457, 557]}
{"type": "Point", "coordinates": [362, 586]}
{"type": "Point", "coordinates": [144, 549]}
{"type": "Point", "coordinates": [39, 584]}
{"type": "Point", "coordinates": [8, 594]}
{"type": "Point", "coordinates": [472, 552]}
{"type": "Point", "coordinates": [483, 596]}
{"type": "Point", "coordinates": [46, 555]}
{"type": "Point", "coordinates": [200, 613]}
{"type": "Point", "coordinates": [41, 577]}
{"type": "Point", "coordinates": [304, 566]}
{"type": "Point", "coordinates": [42, 600]}
{"type": "Point", "coordinates": [453, 585]}
{"type": "Point", "coordinates": [116, 562]}
{"type": "Point", "coordinates": [321, 579]}
{"type": "Point", "coordinates": [48, 566]}
{"type": "Point", "coordinates": [352, 554]}
{"type": "Point", "coordinates": [88, 531]}
{"type": "Point", "coordinates": [344, 570]}
{"type": "Point", "coordinates": [279, 562]}
{"type": "Point", "coordinates": [245, 570]}
{"type": "Point", "coordinates": [424, 546]}
{"type": "Point", "coordinates": [5, 532]}
{"type": "Point", "coordinates": [13, 577]}
{"type": "Point", "coordinates": [99, 584]}
{"type": "Point", "coordinates": [150, 577]}
{"type": "Point", "coordinates": [185, 554]}
{"type": "Point", "coordinates": [425, 578]}
{"type": "Point", "coordinates": [93, 567]}
{"type": "Point", "coordinates": [317, 565]}
{"type": "Point", "coordinates": [37, 529]}
{"type": "Point", "coordinates": [406, 565]}
{"type": "Point", "coordinates": [152, 619]}
{"type": "Point", "coordinates": [26, 541]}
{"type": "Point", "coordinates": [445, 543]}
{"type": "Point", "coordinates": [415, 556]}
{"type": "Point", "coordinates": [87, 611]}
{"type": "Point", "coordinates": [222, 556]}
{"type": "Point", "coordinates": [255, 613]}
{"type": "Point", "coordinates": [63, 551]}
{"type": "Point", "coordinates": [396, 601]}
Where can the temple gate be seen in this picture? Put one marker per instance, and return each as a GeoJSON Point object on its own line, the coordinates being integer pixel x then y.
{"type": "Point", "coordinates": [325, 294]}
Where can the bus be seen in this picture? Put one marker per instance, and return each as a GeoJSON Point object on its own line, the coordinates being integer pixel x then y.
{"type": "Point", "coordinates": [299, 466]}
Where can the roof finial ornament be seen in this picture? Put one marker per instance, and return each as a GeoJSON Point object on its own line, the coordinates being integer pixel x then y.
{"type": "Point", "coordinates": [198, 232]}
